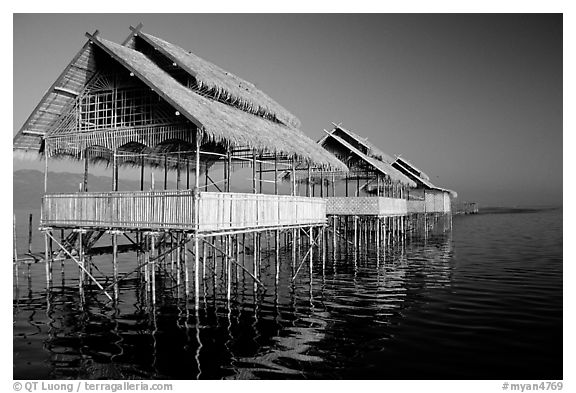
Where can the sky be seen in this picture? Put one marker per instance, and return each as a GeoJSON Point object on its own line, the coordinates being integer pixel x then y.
{"type": "Point", "coordinates": [474, 100]}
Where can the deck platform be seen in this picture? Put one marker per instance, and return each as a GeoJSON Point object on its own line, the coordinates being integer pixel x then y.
{"type": "Point", "coordinates": [174, 210]}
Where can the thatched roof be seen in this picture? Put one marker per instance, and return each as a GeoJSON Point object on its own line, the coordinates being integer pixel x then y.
{"type": "Point", "coordinates": [378, 165]}
{"type": "Point", "coordinates": [411, 167]}
{"type": "Point", "coordinates": [57, 98]}
{"type": "Point", "coordinates": [218, 121]}
{"type": "Point", "coordinates": [221, 122]}
{"type": "Point", "coordinates": [221, 84]}
{"type": "Point", "coordinates": [418, 176]}
{"type": "Point", "coordinates": [371, 149]}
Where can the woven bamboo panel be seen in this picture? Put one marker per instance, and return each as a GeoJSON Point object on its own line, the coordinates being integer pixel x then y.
{"type": "Point", "coordinates": [415, 206]}
{"type": "Point", "coordinates": [375, 206]}
{"type": "Point", "coordinates": [447, 203]}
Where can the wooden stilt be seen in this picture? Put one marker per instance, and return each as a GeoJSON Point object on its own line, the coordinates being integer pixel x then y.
{"type": "Point", "coordinates": [355, 232]}
{"type": "Point", "coordinates": [323, 243]}
{"type": "Point", "coordinates": [228, 269]}
{"type": "Point", "coordinates": [178, 258]}
{"type": "Point", "coordinates": [237, 243]}
{"type": "Point", "coordinates": [165, 171]}
{"type": "Point", "coordinates": [81, 260]}
{"type": "Point", "coordinates": [15, 248]}
{"type": "Point", "coordinates": [30, 233]}
{"type": "Point", "coordinates": [310, 261]}
{"type": "Point", "coordinates": [115, 265]}
{"type": "Point", "coordinates": [186, 277]}
{"type": "Point", "coordinates": [142, 173]}
{"type": "Point", "coordinates": [85, 180]}
{"type": "Point", "coordinates": [187, 174]}
{"type": "Point", "coordinates": [204, 256]}
{"type": "Point", "coordinates": [277, 251]}
{"type": "Point", "coordinates": [153, 268]}
{"type": "Point", "coordinates": [178, 171]}
{"type": "Point", "coordinates": [47, 260]}
{"type": "Point", "coordinates": [197, 222]}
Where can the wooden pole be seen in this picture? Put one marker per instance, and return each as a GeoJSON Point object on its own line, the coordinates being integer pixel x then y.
{"type": "Point", "coordinates": [178, 171]}
{"type": "Point", "coordinates": [85, 181]}
{"type": "Point", "coordinates": [254, 190]}
{"type": "Point", "coordinates": [81, 255]}
{"type": "Point", "coordinates": [165, 171]}
{"type": "Point", "coordinates": [334, 233]}
{"type": "Point", "coordinates": [228, 168]}
{"type": "Point", "coordinates": [309, 182]}
{"type": "Point", "coordinates": [115, 174]}
{"type": "Point", "coordinates": [228, 268]}
{"type": "Point", "coordinates": [293, 176]}
{"type": "Point", "coordinates": [142, 173]}
{"type": "Point", "coordinates": [260, 174]}
{"type": "Point", "coordinates": [115, 264]}
{"type": "Point", "coordinates": [333, 185]}
{"type": "Point", "coordinates": [205, 177]}
{"type": "Point", "coordinates": [153, 267]}
{"type": "Point", "coordinates": [311, 234]}
{"type": "Point", "coordinates": [187, 173]}
{"type": "Point", "coordinates": [197, 220]}
{"type": "Point", "coordinates": [30, 233]}
{"type": "Point", "coordinates": [204, 256]}
{"type": "Point", "coordinates": [45, 168]}
{"type": "Point", "coordinates": [47, 259]}
{"type": "Point", "coordinates": [323, 240]}
{"type": "Point", "coordinates": [16, 263]}
{"type": "Point", "coordinates": [275, 173]}
{"type": "Point", "coordinates": [355, 231]}
{"type": "Point", "coordinates": [277, 251]}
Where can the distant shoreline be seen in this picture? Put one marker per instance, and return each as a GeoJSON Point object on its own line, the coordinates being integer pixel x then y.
{"type": "Point", "coordinates": [508, 210]}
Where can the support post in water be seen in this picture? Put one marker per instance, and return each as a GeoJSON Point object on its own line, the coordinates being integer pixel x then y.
{"type": "Point", "coordinates": [47, 258]}
{"type": "Point", "coordinates": [115, 264]}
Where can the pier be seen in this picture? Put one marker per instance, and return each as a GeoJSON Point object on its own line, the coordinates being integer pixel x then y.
{"type": "Point", "coordinates": [152, 106]}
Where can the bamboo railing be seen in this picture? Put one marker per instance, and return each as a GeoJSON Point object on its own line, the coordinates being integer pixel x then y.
{"type": "Point", "coordinates": [163, 210]}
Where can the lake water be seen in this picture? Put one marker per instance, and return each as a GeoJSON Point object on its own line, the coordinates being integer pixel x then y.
{"type": "Point", "coordinates": [481, 302]}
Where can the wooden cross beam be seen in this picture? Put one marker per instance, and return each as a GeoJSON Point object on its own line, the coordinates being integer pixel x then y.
{"type": "Point", "coordinates": [93, 35]}
{"type": "Point", "coordinates": [135, 31]}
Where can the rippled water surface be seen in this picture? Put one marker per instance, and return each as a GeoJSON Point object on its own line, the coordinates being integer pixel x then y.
{"type": "Point", "coordinates": [481, 302]}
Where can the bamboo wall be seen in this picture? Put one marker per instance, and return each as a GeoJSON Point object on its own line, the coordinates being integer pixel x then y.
{"type": "Point", "coordinates": [157, 210]}
{"type": "Point", "coordinates": [373, 206]}
{"type": "Point", "coordinates": [432, 201]}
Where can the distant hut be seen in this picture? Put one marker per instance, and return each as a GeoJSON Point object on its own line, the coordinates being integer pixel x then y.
{"type": "Point", "coordinates": [426, 196]}
{"type": "Point", "coordinates": [370, 174]}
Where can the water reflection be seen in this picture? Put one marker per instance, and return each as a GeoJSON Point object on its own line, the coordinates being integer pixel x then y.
{"type": "Point", "coordinates": [340, 319]}
{"type": "Point", "coordinates": [255, 334]}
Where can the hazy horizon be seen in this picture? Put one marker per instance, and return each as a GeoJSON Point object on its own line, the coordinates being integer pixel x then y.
{"type": "Point", "coordinates": [474, 100]}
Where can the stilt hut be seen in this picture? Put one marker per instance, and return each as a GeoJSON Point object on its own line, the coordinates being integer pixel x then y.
{"type": "Point", "coordinates": [151, 104]}
{"type": "Point", "coordinates": [370, 187]}
{"type": "Point", "coordinates": [388, 196]}
{"type": "Point", "coordinates": [426, 197]}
